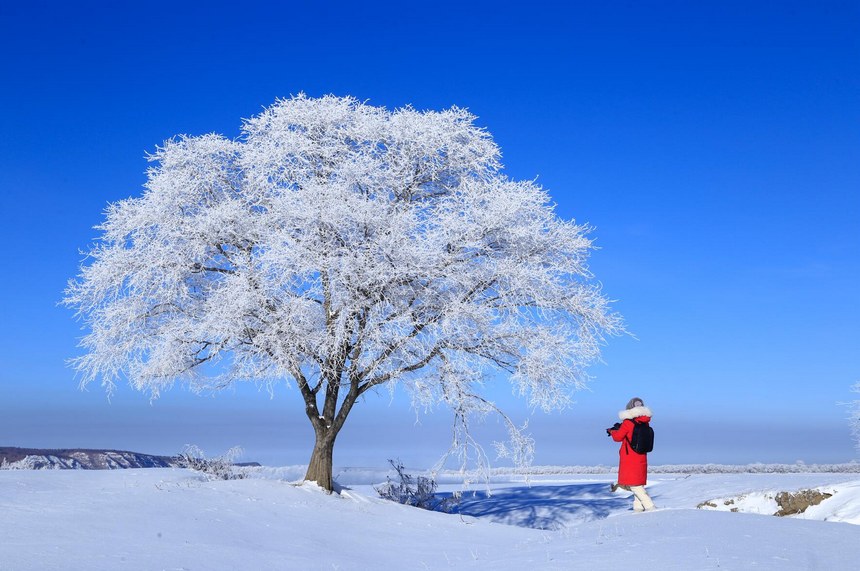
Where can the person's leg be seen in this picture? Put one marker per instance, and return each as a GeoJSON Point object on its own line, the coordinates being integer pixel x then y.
{"type": "Point", "coordinates": [637, 505]}
{"type": "Point", "coordinates": [642, 498]}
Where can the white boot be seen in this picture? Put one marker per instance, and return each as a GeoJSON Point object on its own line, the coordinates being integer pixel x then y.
{"type": "Point", "coordinates": [642, 501]}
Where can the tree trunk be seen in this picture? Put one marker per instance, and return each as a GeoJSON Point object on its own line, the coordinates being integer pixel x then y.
{"type": "Point", "coordinates": [320, 466]}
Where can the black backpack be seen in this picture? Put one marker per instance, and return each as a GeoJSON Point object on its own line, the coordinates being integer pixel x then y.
{"type": "Point", "coordinates": [642, 438]}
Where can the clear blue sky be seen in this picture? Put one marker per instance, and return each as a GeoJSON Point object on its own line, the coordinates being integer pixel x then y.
{"type": "Point", "coordinates": [715, 147]}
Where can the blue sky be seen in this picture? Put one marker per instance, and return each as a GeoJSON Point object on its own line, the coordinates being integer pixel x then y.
{"type": "Point", "coordinates": [713, 146]}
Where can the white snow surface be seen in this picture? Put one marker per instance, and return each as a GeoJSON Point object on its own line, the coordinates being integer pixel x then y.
{"type": "Point", "coordinates": [176, 519]}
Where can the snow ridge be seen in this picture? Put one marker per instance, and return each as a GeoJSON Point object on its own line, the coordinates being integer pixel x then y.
{"type": "Point", "coordinates": [79, 459]}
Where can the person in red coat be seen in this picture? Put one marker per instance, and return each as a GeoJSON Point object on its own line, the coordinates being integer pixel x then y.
{"type": "Point", "coordinates": [632, 466]}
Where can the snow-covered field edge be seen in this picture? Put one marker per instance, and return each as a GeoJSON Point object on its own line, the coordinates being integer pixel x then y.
{"type": "Point", "coordinates": [170, 518]}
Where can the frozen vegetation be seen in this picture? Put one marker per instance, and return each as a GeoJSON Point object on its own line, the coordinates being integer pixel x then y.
{"type": "Point", "coordinates": [343, 248]}
{"type": "Point", "coordinates": [169, 518]}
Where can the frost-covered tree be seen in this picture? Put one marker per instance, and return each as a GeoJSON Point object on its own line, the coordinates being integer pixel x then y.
{"type": "Point", "coordinates": [854, 417]}
{"type": "Point", "coordinates": [341, 247]}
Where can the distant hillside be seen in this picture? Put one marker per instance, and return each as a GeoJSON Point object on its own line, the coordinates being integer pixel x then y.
{"type": "Point", "coordinates": [79, 459]}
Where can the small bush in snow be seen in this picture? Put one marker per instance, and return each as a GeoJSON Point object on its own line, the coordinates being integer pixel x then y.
{"type": "Point", "coordinates": [218, 468]}
{"type": "Point", "coordinates": [411, 491]}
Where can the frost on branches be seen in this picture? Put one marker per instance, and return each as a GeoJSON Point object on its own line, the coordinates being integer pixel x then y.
{"type": "Point", "coordinates": [854, 417]}
{"type": "Point", "coordinates": [342, 247]}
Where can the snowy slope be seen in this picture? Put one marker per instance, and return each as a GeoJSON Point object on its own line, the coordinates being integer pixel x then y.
{"type": "Point", "coordinates": [79, 459]}
{"type": "Point", "coordinates": [175, 519]}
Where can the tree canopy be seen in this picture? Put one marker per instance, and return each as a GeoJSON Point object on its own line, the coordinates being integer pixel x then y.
{"type": "Point", "coordinates": [340, 247]}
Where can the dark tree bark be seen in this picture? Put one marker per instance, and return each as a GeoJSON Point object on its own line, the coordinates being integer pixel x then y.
{"type": "Point", "coordinates": [327, 425]}
{"type": "Point", "coordinates": [320, 465]}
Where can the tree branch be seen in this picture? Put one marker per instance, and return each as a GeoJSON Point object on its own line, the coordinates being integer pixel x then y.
{"type": "Point", "coordinates": [392, 374]}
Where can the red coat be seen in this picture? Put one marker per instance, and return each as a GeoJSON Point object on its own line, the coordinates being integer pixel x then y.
{"type": "Point", "coordinates": [632, 466]}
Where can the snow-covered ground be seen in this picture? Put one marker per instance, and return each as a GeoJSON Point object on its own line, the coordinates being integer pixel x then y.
{"type": "Point", "coordinates": [177, 520]}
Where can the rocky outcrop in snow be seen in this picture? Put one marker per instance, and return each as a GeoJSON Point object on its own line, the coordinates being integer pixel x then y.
{"type": "Point", "coordinates": [779, 504]}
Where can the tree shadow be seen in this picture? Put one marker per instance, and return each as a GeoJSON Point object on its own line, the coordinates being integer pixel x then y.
{"type": "Point", "coordinates": [543, 507]}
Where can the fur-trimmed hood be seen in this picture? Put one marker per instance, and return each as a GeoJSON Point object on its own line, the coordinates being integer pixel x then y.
{"type": "Point", "coordinates": [635, 412]}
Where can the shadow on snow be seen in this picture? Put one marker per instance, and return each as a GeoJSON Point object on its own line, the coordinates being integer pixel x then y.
{"type": "Point", "coordinates": [543, 507]}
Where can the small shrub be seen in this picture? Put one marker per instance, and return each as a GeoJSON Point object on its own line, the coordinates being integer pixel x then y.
{"type": "Point", "coordinates": [419, 492]}
{"type": "Point", "coordinates": [218, 468]}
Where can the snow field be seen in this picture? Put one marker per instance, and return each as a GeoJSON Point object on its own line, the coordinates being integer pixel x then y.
{"type": "Point", "coordinates": [176, 519]}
